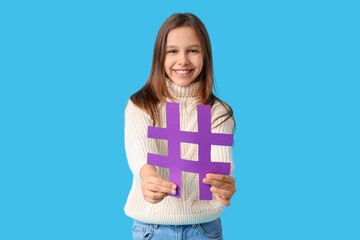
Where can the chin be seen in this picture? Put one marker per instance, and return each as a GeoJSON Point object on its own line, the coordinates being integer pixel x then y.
{"type": "Point", "coordinates": [182, 83]}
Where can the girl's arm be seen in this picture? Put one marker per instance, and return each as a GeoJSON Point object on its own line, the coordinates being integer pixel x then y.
{"type": "Point", "coordinates": [223, 186]}
{"type": "Point", "coordinates": [136, 142]}
{"type": "Point", "coordinates": [137, 145]}
{"type": "Point", "coordinates": [154, 187]}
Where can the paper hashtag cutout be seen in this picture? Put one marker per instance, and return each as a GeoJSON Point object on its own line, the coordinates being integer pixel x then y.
{"type": "Point", "coordinates": [204, 138]}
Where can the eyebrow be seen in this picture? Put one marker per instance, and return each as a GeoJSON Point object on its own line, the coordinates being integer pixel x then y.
{"type": "Point", "coordinates": [191, 46]}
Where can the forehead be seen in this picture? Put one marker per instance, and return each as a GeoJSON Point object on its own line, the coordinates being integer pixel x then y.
{"type": "Point", "coordinates": [182, 36]}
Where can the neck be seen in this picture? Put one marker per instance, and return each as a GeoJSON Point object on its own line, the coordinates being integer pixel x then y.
{"type": "Point", "coordinates": [190, 90]}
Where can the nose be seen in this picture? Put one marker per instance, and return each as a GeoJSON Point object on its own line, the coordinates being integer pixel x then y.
{"type": "Point", "coordinates": [183, 59]}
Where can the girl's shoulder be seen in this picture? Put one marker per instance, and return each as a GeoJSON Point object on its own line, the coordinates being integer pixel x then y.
{"type": "Point", "coordinates": [220, 108]}
{"type": "Point", "coordinates": [130, 106]}
{"type": "Point", "coordinates": [133, 110]}
{"type": "Point", "coordinates": [222, 117]}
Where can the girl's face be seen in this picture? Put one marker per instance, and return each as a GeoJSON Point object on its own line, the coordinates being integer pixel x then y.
{"type": "Point", "coordinates": [183, 58]}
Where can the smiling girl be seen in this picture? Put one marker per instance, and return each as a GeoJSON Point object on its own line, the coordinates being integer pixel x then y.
{"type": "Point", "coordinates": [182, 72]}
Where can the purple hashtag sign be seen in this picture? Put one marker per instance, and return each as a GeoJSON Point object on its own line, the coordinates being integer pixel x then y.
{"type": "Point", "coordinates": [204, 138]}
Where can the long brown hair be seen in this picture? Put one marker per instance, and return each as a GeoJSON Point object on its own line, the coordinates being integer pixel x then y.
{"type": "Point", "coordinates": [155, 90]}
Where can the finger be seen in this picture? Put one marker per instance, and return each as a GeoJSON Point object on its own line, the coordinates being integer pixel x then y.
{"type": "Point", "coordinates": [220, 177]}
{"type": "Point", "coordinates": [224, 201]}
{"type": "Point", "coordinates": [217, 183]}
{"type": "Point", "coordinates": [154, 195]}
{"type": "Point", "coordinates": [223, 193]}
{"type": "Point", "coordinates": [158, 188]}
{"type": "Point", "coordinates": [158, 180]}
{"type": "Point", "coordinates": [150, 200]}
{"type": "Point", "coordinates": [153, 201]}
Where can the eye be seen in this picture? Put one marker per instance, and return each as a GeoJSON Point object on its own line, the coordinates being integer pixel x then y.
{"type": "Point", "coordinates": [171, 51]}
{"type": "Point", "coordinates": [193, 51]}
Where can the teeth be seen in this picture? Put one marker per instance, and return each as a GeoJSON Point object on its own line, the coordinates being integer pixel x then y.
{"type": "Point", "coordinates": [182, 72]}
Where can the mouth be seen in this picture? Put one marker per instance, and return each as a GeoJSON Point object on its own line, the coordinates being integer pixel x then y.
{"type": "Point", "coordinates": [182, 72]}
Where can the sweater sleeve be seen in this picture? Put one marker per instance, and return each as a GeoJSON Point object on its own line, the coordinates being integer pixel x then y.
{"type": "Point", "coordinates": [222, 153]}
{"type": "Point", "coordinates": [137, 144]}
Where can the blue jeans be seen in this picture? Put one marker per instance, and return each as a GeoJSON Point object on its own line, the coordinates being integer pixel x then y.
{"type": "Point", "coordinates": [203, 231]}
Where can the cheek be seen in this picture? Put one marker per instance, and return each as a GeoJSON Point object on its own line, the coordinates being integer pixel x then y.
{"type": "Point", "coordinates": [167, 62]}
{"type": "Point", "coordinates": [167, 67]}
{"type": "Point", "coordinates": [200, 63]}
{"type": "Point", "coordinates": [198, 59]}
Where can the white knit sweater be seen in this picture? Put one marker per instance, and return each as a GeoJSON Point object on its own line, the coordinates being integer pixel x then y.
{"type": "Point", "coordinates": [172, 211]}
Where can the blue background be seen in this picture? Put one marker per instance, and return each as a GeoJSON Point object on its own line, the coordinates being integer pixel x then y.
{"type": "Point", "coordinates": [289, 69]}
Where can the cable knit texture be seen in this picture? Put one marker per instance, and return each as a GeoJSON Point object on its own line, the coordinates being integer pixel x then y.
{"type": "Point", "coordinates": [172, 211]}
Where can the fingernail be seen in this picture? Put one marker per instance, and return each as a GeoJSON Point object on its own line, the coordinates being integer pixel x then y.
{"type": "Point", "coordinates": [174, 186]}
{"type": "Point", "coordinates": [173, 192]}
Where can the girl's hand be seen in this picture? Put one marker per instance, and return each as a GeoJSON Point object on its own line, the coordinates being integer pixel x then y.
{"type": "Point", "coordinates": [223, 187]}
{"type": "Point", "coordinates": [154, 187]}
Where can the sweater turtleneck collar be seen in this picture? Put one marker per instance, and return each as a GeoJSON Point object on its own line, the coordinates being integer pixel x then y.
{"type": "Point", "coordinates": [179, 91]}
